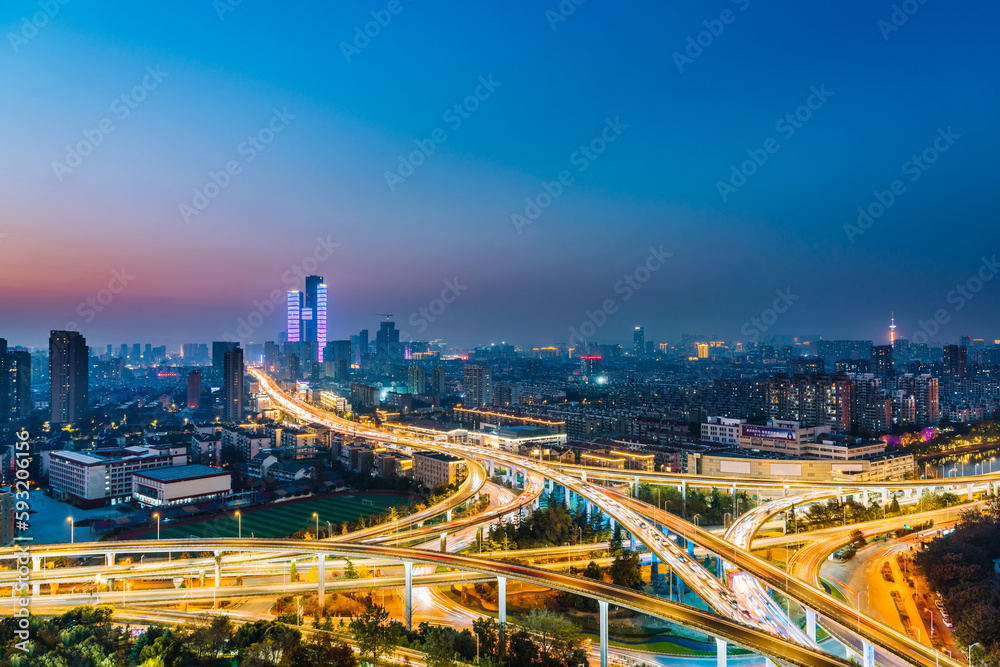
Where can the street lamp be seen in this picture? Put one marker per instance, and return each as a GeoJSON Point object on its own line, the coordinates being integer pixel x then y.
{"type": "Point", "coordinates": [239, 524]}
{"type": "Point", "coordinates": [970, 652]}
{"type": "Point", "coordinates": [71, 526]}
{"type": "Point", "coordinates": [157, 515]}
{"type": "Point", "coordinates": [867, 599]}
{"type": "Point", "coordinates": [316, 516]}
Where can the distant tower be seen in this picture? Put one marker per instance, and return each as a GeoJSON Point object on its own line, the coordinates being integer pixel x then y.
{"type": "Point", "coordinates": [892, 329]}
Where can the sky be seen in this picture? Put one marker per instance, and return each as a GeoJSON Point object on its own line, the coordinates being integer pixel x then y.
{"type": "Point", "coordinates": [689, 167]}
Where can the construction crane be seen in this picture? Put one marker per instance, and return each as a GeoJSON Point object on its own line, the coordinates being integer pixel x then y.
{"type": "Point", "coordinates": [385, 315]}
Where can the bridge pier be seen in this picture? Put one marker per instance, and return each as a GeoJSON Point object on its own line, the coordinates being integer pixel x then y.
{"type": "Point", "coordinates": [109, 559]}
{"type": "Point", "coordinates": [583, 475]}
{"type": "Point", "coordinates": [321, 579]}
{"type": "Point", "coordinates": [811, 623]}
{"type": "Point", "coordinates": [218, 569]}
{"type": "Point", "coordinates": [690, 548]}
{"type": "Point", "coordinates": [491, 468]}
{"type": "Point", "coordinates": [720, 652]}
{"type": "Point", "coordinates": [444, 542]}
{"type": "Point", "coordinates": [449, 515]}
{"type": "Point", "coordinates": [864, 497]}
{"type": "Point", "coordinates": [604, 632]}
{"type": "Point", "coordinates": [684, 499]}
{"type": "Point", "coordinates": [36, 563]}
{"type": "Point", "coordinates": [784, 491]}
{"type": "Point", "coordinates": [869, 653]}
{"type": "Point", "coordinates": [36, 589]}
{"type": "Point", "coordinates": [970, 491]}
{"type": "Point", "coordinates": [408, 595]}
{"type": "Point", "coordinates": [537, 503]}
{"type": "Point", "coordinates": [552, 485]}
{"type": "Point", "coordinates": [631, 541]}
{"type": "Point", "coordinates": [502, 599]}
{"type": "Point", "coordinates": [590, 508]}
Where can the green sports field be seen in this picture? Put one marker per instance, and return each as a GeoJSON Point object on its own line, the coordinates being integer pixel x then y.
{"type": "Point", "coordinates": [284, 519]}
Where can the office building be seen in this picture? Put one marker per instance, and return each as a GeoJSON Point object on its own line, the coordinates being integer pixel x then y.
{"type": "Point", "coordinates": [306, 317]}
{"type": "Point", "coordinates": [7, 515]}
{"type": "Point", "coordinates": [387, 342]}
{"type": "Point", "coordinates": [337, 359]}
{"type": "Point", "coordinates": [639, 342]}
{"type": "Point", "coordinates": [19, 372]}
{"type": "Point", "coordinates": [194, 389]}
{"type": "Point", "coordinates": [590, 366]}
{"type": "Point", "coordinates": [364, 397]}
{"type": "Point", "coordinates": [104, 477]}
{"type": "Point", "coordinates": [232, 386]}
{"type": "Point", "coordinates": [478, 383]}
{"type": "Point", "coordinates": [722, 430]}
{"type": "Point", "coordinates": [438, 385]}
{"type": "Point", "coordinates": [69, 372]}
{"type": "Point", "coordinates": [359, 348]}
{"type": "Point", "coordinates": [219, 349]}
{"type": "Point", "coordinates": [416, 379]}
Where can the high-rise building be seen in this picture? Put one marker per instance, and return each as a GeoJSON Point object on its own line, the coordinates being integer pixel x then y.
{"type": "Point", "coordinates": [219, 349]}
{"type": "Point", "coordinates": [417, 379]}
{"type": "Point", "coordinates": [478, 381]}
{"type": "Point", "coordinates": [306, 316]}
{"type": "Point", "coordinates": [590, 365]}
{"type": "Point", "coordinates": [194, 389]}
{"type": "Point", "coordinates": [955, 361]}
{"type": "Point", "coordinates": [69, 368]}
{"type": "Point", "coordinates": [147, 354]}
{"type": "Point", "coordinates": [438, 385]}
{"type": "Point", "coordinates": [387, 342]}
{"type": "Point", "coordinates": [123, 352]}
{"type": "Point", "coordinates": [881, 361]}
{"type": "Point", "coordinates": [19, 372]}
{"type": "Point", "coordinates": [965, 341]}
{"type": "Point", "coordinates": [136, 355]}
{"type": "Point", "coordinates": [639, 342]}
{"type": "Point", "coordinates": [232, 386]}
{"type": "Point", "coordinates": [337, 359]}
{"type": "Point", "coordinates": [5, 389]}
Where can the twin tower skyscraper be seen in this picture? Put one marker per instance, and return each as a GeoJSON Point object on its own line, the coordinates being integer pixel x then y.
{"type": "Point", "coordinates": [307, 311]}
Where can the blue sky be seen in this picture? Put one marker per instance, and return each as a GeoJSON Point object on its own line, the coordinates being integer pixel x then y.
{"type": "Point", "coordinates": [347, 123]}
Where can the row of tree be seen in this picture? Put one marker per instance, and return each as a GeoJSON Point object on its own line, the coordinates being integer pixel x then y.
{"type": "Point", "coordinates": [710, 506]}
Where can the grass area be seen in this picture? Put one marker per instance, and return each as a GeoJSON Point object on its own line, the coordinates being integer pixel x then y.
{"type": "Point", "coordinates": [284, 519]}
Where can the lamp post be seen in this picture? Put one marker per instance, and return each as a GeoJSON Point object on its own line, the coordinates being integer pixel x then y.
{"type": "Point", "coordinates": [970, 652]}
{"type": "Point", "coordinates": [867, 599]}
{"type": "Point", "coordinates": [157, 515]}
{"type": "Point", "coordinates": [71, 526]}
{"type": "Point", "coordinates": [239, 524]}
{"type": "Point", "coordinates": [316, 516]}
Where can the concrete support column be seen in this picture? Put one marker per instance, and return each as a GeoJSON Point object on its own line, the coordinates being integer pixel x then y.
{"type": "Point", "coordinates": [720, 652]}
{"type": "Point", "coordinates": [537, 504]}
{"type": "Point", "coordinates": [684, 499]}
{"type": "Point", "coordinates": [840, 495]}
{"type": "Point", "coordinates": [590, 508]}
{"type": "Point", "coordinates": [444, 542]}
{"type": "Point", "coordinates": [449, 515]}
{"type": "Point", "coordinates": [631, 541]}
{"type": "Point", "coordinates": [491, 468]}
{"type": "Point", "coordinates": [784, 491]}
{"type": "Point", "coordinates": [864, 497]}
{"type": "Point", "coordinates": [583, 475]}
{"type": "Point", "coordinates": [408, 595]}
{"type": "Point", "coordinates": [109, 559]}
{"type": "Point", "coordinates": [970, 492]}
{"type": "Point", "coordinates": [885, 496]}
{"type": "Point", "coordinates": [36, 563]}
{"type": "Point", "coordinates": [502, 599]}
{"type": "Point", "coordinates": [218, 569]}
{"type": "Point", "coordinates": [690, 548]}
{"type": "Point", "coordinates": [321, 578]}
{"type": "Point", "coordinates": [604, 632]}
{"type": "Point", "coordinates": [552, 485]}
{"type": "Point", "coordinates": [611, 523]}
{"type": "Point", "coordinates": [868, 653]}
{"type": "Point", "coordinates": [35, 588]}
{"type": "Point", "coordinates": [811, 623]}
{"type": "Point", "coordinates": [720, 568]}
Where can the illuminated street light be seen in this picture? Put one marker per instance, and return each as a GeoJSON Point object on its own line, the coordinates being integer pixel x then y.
{"type": "Point", "coordinates": [239, 524]}
{"type": "Point", "coordinates": [71, 526]}
{"type": "Point", "coordinates": [316, 516]}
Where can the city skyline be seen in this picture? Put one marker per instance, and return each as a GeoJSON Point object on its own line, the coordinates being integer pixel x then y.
{"type": "Point", "coordinates": [650, 144]}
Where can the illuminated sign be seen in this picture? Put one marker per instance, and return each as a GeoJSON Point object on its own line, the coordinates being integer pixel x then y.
{"type": "Point", "coordinates": [766, 432]}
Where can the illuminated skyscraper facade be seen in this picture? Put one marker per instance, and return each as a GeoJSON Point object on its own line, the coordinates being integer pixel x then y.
{"type": "Point", "coordinates": [69, 369]}
{"type": "Point", "coordinates": [307, 316]}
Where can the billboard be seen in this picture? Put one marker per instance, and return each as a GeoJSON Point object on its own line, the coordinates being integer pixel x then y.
{"type": "Point", "coordinates": [766, 432]}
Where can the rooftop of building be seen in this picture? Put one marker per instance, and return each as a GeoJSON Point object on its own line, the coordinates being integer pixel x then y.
{"type": "Point", "coordinates": [180, 473]}
{"type": "Point", "coordinates": [438, 456]}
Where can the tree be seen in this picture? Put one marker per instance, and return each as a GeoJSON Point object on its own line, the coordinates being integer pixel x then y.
{"type": "Point", "coordinates": [350, 572]}
{"type": "Point", "coordinates": [556, 636]}
{"type": "Point", "coordinates": [626, 570]}
{"type": "Point", "coordinates": [615, 543]}
{"type": "Point", "coordinates": [593, 571]}
{"type": "Point", "coordinates": [439, 647]}
{"type": "Point", "coordinates": [375, 636]}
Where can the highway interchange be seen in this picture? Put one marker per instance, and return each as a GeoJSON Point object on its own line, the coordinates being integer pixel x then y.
{"type": "Point", "coordinates": [741, 611]}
